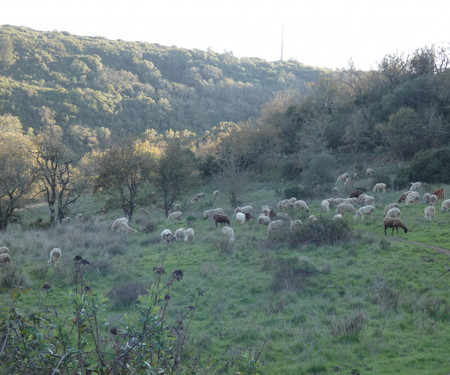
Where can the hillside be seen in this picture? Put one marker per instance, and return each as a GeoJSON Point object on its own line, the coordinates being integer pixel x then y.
{"type": "Point", "coordinates": [131, 86]}
{"type": "Point", "coordinates": [368, 304]}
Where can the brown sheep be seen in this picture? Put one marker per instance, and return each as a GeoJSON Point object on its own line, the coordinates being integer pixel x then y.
{"type": "Point", "coordinates": [355, 194]}
{"type": "Point", "coordinates": [248, 216]}
{"type": "Point", "coordinates": [222, 219]}
{"type": "Point", "coordinates": [440, 193]}
{"type": "Point", "coordinates": [390, 222]}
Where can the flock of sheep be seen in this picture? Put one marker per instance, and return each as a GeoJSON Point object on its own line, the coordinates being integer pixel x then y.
{"type": "Point", "coordinates": [279, 219]}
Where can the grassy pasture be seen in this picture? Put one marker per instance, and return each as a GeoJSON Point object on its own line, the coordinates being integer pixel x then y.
{"type": "Point", "coordinates": [366, 306]}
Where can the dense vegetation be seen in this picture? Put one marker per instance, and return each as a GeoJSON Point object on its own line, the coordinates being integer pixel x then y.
{"type": "Point", "coordinates": [112, 128]}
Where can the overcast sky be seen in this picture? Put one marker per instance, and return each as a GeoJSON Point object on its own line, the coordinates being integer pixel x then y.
{"type": "Point", "coordinates": [321, 33]}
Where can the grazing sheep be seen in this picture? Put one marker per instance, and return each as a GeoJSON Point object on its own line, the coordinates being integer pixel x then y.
{"type": "Point", "coordinates": [338, 217]}
{"type": "Point", "coordinates": [295, 224]}
{"type": "Point", "coordinates": [197, 197]}
{"type": "Point", "coordinates": [379, 187]}
{"type": "Point", "coordinates": [265, 210]}
{"type": "Point", "coordinates": [369, 172]}
{"type": "Point", "coordinates": [427, 198]}
{"type": "Point", "coordinates": [389, 206]}
{"type": "Point", "coordinates": [440, 193]}
{"type": "Point", "coordinates": [116, 224]}
{"type": "Point", "coordinates": [240, 217]}
{"type": "Point", "coordinates": [244, 210]}
{"type": "Point", "coordinates": [166, 236]}
{"type": "Point", "coordinates": [248, 216]}
{"type": "Point", "coordinates": [344, 208]}
{"type": "Point", "coordinates": [433, 199]}
{"type": "Point", "coordinates": [177, 207]}
{"type": "Point", "coordinates": [222, 219]}
{"type": "Point", "coordinates": [216, 194]}
{"type": "Point", "coordinates": [4, 250]}
{"type": "Point", "coordinates": [445, 205]}
{"type": "Point", "coordinates": [79, 216]}
{"type": "Point", "coordinates": [364, 211]}
{"type": "Point", "coordinates": [189, 235]}
{"type": "Point", "coordinates": [394, 213]}
{"type": "Point", "coordinates": [284, 204]}
{"type": "Point", "coordinates": [174, 216]}
{"type": "Point", "coordinates": [5, 259]}
{"type": "Point", "coordinates": [125, 228]}
{"type": "Point", "coordinates": [301, 205]}
{"type": "Point", "coordinates": [276, 226]}
{"type": "Point", "coordinates": [228, 233]}
{"type": "Point", "coordinates": [429, 212]}
{"type": "Point", "coordinates": [415, 186]}
{"type": "Point", "coordinates": [351, 200]}
{"type": "Point", "coordinates": [355, 194]}
{"type": "Point", "coordinates": [284, 216]}
{"type": "Point", "coordinates": [325, 204]}
{"type": "Point", "coordinates": [343, 177]}
{"type": "Point", "coordinates": [412, 197]}
{"type": "Point", "coordinates": [393, 223]}
{"type": "Point", "coordinates": [65, 220]}
{"type": "Point", "coordinates": [272, 214]}
{"type": "Point", "coordinates": [209, 214]}
{"type": "Point", "coordinates": [368, 199]}
{"type": "Point", "coordinates": [362, 197]}
{"type": "Point", "coordinates": [263, 219]}
{"type": "Point", "coordinates": [312, 218]}
{"type": "Point", "coordinates": [55, 256]}
{"type": "Point", "coordinates": [179, 234]}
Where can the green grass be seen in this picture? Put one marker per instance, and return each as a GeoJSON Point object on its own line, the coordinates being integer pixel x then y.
{"type": "Point", "coordinates": [367, 308]}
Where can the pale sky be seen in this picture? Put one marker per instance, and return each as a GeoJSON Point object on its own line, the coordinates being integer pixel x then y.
{"type": "Point", "coordinates": [321, 33]}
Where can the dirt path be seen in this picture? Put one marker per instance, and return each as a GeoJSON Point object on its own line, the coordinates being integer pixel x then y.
{"type": "Point", "coordinates": [437, 248]}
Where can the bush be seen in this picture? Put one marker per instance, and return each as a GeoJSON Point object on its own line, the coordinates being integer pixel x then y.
{"type": "Point", "coordinates": [431, 166]}
{"type": "Point", "coordinates": [324, 231]}
{"type": "Point", "coordinates": [292, 274]}
{"type": "Point", "coordinates": [126, 294]}
{"type": "Point", "coordinates": [350, 326]}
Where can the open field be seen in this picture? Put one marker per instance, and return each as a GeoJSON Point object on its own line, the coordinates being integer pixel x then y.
{"type": "Point", "coordinates": [370, 305]}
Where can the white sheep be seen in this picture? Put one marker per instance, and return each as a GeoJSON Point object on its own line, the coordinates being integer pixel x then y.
{"type": "Point", "coordinates": [265, 210]}
{"type": "Point", "coordinates": [177, 207]}
{"type": "Point", "coordinates": [179, 234]}
{"type": "Point", "coordinates": [228, 233]}
{"type": "Point", "coordinates": [244, 210]}
{"type": "Point", "coordinates": [166, 236]}
{"type": "Point", "coordinates": [369, 200]}
{"type": "Point", "coordinates": [344, 208]}
{"type": "Point", "coordinates": [55, 256]}
{"type": "Point", "coordinates": [284, 204]}
{"type": "Point", "coordinates": [216, 194]}
{"type": "Point", "coordinates": [362, 197]}
{"type": "Point", "coordinates": [325, 204]}
{"type": "Point", "coordinates": [445, 205]}
{"type": "Point", "coordinates": [295, 224]}
{"type": "Point", "coordinates": [79, 216]}
{"type": "Point", "coordinates": [312, 218]}
{"type": "Point", "coordinates": [301, 205]}
{"type": "Point", "coordinates": [429, 212]}
{"type": "Point", "coordinates": [427, 198]}
{"type": "Point", "coordinates": [393, 212]}
{"type": "Point", "coordinates": [369, 172]}
{"type": "Point", "coordinates": [65, 220]}
{"type": "Point", "coordinates": [415, 186]}
{"type": "Point", "coordinates": [240, 217]}
{"type": "Point", "coordinates": [364, 211]}
{"type": "Point", "coordinates": [337, 217]}
{"type": "Point", "coordinates": [343, 177]}
{"type": "Point", "coordinates": [389, 206]}
{"type": "Point", "coordinates": [284, 216]}
{"type": "Point", "coordinates": [5, 259]}
{"type": "Point", "coordinates": [353, 200]}
{"type": "Point", "coordinates": [176, 215]}
{"type": "Point", "coordinates": [263, 219]}
{"type": "Point", "coordinates": [189, 235]}
{"type": "Point", "coordinates": [276, 225]}
{"type": "Point", "coordinates": [379, 187]}
{"type": "Point", "coordinates": [412, 197]}
{"type": "Point", "coordinates": [209, 214]}
{"type": "Point", "coordinates": [116, 224]}
{"type": "Point", "coordinates": [125, 228]}
{"type": "Point", "coordinates": [433, 199]}
{"type": "Point", "coordinates": [4, 250]}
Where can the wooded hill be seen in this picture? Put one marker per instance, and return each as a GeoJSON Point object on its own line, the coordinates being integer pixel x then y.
{"type": "Point", "coordinates": [95, 82]}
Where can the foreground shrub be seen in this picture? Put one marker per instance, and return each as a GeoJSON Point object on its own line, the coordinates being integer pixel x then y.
{"type": "Point", "coordinates": [323, 231]}
{"type": "Point", "coordinates": [292, 274]}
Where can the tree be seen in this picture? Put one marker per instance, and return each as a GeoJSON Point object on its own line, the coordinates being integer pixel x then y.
{"type": "Point", "coordinates": [7, 57]}
{"type": "Point", "coordinates": [122, 170]}
{"type": "Point", "coordinates": [177, 170]}
{"type": "Point", "coordinates": [16, 168]}
{"type": "Point", "coordinates": [60, 181]}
